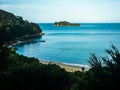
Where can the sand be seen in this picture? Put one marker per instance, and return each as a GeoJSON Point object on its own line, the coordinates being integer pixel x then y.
{"type": "Point", "coordinates": [67, 67]}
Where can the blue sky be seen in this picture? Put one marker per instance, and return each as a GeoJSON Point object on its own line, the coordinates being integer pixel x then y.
{"type": "Point", "coordinates": [68, 10]}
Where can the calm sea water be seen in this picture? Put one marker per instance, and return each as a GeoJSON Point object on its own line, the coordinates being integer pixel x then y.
{"type": "Point", "coordinates": [72, 44]}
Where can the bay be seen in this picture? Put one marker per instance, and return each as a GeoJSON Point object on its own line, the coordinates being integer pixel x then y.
{"type": "Point", "coordinates": [72, 44]}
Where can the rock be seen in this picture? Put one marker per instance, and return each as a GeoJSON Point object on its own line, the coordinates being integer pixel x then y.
{"type": "Point", "coordinates": [42, 41]}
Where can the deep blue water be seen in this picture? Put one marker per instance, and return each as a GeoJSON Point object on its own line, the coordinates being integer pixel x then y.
{"type": "Point", "coordinates": [72, 44]}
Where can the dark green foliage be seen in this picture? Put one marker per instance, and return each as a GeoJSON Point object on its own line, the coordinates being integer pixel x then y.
{"type": "Point", "coordinates": [20, 72]}
{"type": "Point", "coordinates": [12, 27]}
{"type": "Point", "coordinates": [4, 52]}
{"type": "Point", "coordinates": [107, 73]}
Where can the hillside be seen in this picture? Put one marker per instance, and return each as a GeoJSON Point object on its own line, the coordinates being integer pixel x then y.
{"type": "Point", "coordinates": [13, 27]}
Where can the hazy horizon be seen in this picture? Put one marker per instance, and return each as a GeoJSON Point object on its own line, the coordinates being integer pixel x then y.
{"type": "Point", "coordinates": [49, 11]}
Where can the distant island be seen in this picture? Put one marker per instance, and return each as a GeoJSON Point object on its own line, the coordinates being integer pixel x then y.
{"type": "Point", "coordinates": [65, 23]}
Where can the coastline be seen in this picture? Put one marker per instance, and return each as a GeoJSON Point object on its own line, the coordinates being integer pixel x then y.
{"type": "Point", "coordinates": [21, 42]}
{"type": "Point", "coordinates": [25, 39]}
{"type": "Point", "coordinates": [68, 67]}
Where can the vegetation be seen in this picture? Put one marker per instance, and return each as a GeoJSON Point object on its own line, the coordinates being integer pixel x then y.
{"type": "Point", "coordinates": [106, 70]}
{"type": "Point", "coordinates": [18, 72]}
{"type": "Point", "coordinates": [13, 27]}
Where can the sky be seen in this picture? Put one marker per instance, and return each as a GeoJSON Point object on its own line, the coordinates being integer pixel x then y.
{"type": "Point", "coordinates": [64, 10]}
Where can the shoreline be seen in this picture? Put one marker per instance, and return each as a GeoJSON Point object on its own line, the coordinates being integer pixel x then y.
{"type": "Point", "coordinates": [21, 42]}
{"type": "Point", "coordinates": [68, 67]}
{"type": "Point", "coordinates": [25, 39]}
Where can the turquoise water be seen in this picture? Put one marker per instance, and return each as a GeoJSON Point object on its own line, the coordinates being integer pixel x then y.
{"type": "Point", "coordinates": [71, 44]}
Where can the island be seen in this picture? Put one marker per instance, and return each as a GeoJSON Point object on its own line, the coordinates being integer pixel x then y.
{"type": "Point", "coordinates": [65, 23]}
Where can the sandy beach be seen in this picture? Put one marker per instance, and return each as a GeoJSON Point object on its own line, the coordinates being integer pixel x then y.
{"type": "Point", "coordinates": [67, 67]}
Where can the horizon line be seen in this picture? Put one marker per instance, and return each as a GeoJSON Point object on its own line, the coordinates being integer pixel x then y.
{"type": "Point", "coordinates": [80, 22]}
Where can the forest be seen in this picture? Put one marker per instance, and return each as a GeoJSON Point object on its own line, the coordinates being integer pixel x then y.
{"type": "Point", "coordinates": [14, 27]}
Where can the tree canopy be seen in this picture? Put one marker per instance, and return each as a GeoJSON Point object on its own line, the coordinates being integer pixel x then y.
{"type": "Point", "coordinates": [12, 27]}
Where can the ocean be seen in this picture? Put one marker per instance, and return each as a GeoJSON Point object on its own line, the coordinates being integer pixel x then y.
{"type": "Point", "coordinates": [72, 44]}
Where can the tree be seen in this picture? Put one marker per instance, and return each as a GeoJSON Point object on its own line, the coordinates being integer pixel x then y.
{"type": "Point", "coordinates": [106, 69]}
